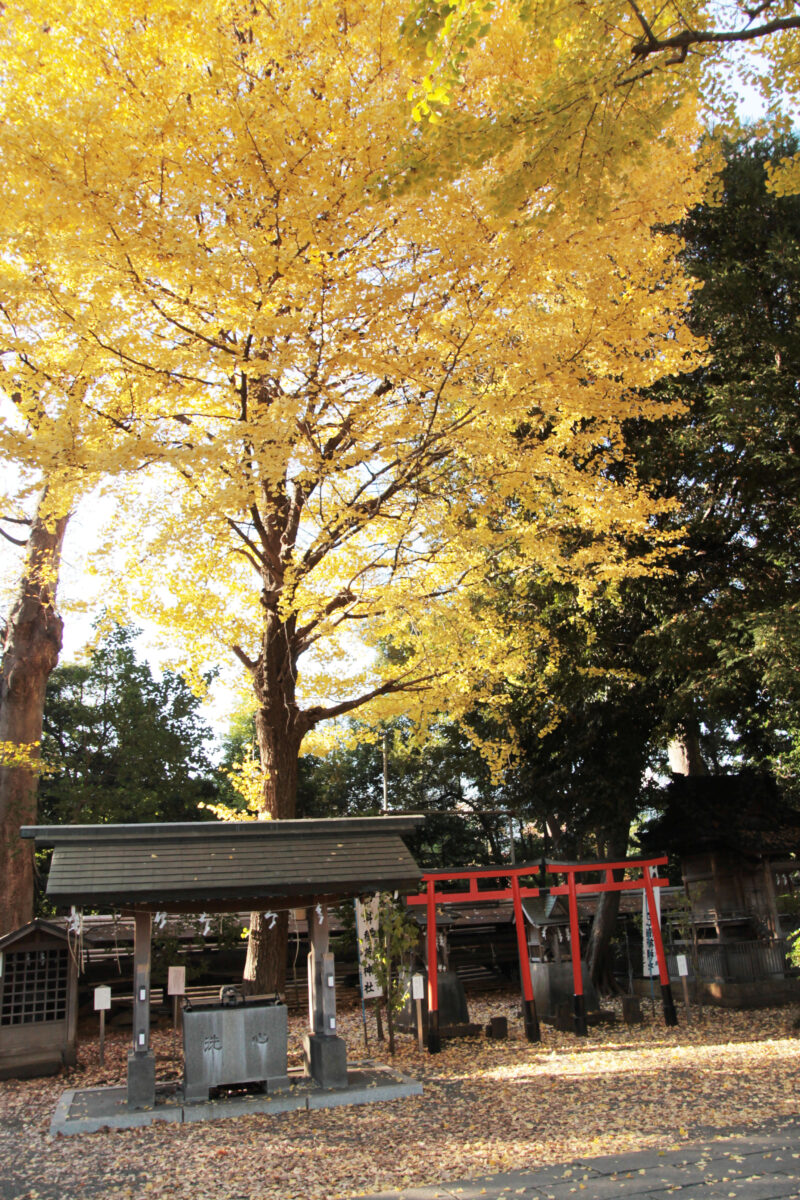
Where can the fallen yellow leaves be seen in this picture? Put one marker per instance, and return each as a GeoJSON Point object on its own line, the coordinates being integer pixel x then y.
{"type": "Point", "coordinates": [488, 1107]}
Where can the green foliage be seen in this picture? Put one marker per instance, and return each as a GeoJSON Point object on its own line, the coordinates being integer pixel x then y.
{"type": "Point", "coordinates": [714, 643]}
{"type": "Point", "coordinates": [442, 775]}
{"type": "Point", "coordinates": [169, 950]}
{"type": "Point", "coordinates": [793, 957]}
{"type": "Point", "coordinates": [584, 718]}
{"type": "Point", "coordinates": [725, 629]}
{"type": "Point", "coordinates": [122, 745]}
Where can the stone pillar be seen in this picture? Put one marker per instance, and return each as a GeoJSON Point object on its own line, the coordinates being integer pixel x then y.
{"type": "Point", "coordinates": [324, 1052]}
{"type": "Point", "coordinates": [141, 1060]}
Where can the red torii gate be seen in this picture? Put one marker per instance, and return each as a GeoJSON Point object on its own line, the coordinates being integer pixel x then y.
{"type": "Point", "coordinates": [644, 880]}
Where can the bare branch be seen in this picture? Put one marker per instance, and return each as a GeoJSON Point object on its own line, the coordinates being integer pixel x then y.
{"type": "Point", "coordinates": [680, 42]}
{"type": "Point", "coordinates": [255, 556]}
{"type": "Point", "coordinates": [250, 663]}
{"type": "Point", "coordinates": [14, 541]}
{"type": "Point", "coordinates": [312, 716]}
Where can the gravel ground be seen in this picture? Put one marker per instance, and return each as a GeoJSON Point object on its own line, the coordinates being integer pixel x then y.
{"type": "Point", "coordinates": [487, 1107]}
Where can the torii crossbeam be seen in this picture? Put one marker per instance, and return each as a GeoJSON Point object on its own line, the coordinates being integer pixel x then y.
{"type": "Point", "coordinates": [644, 878]}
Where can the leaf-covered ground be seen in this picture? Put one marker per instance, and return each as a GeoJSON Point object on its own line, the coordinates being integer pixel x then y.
{"type": "Point", "coordinates": [488, 1106]}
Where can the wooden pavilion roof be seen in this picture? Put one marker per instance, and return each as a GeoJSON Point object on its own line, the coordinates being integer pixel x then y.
{"type": "Point", "coordinates": [215, 866]}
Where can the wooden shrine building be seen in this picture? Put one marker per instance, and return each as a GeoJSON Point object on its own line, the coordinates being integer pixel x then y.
{"type": "Point", "coordinates": [38, 1001]}
{"type": "Point", "coordinates": [227, 866]}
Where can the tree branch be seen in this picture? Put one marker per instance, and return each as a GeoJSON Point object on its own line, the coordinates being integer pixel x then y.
{"type": "Point", "coordinates": [680, 42]}
{"type": "Point", "coordinates": [14, 541]}
{"type": "Point", "coordinates": [312, 716]}
{"type": "Point", "coordinates": [250, 663]}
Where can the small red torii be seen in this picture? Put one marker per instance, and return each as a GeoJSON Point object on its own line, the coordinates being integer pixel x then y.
{"type": "Point", "coordinates": [645, 880]}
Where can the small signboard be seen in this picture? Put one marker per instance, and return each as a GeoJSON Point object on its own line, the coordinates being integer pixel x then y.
{"type": "Point", "coordinates": [176, 981]}
{"type": "Point", "coordinates": [683, 965]}
{"type": "Point", "coordinates": [417, 987]}
{"type": "Point", "coordinates": [367, 932]}
{"type": "Point", "coordinates": [650, 959]}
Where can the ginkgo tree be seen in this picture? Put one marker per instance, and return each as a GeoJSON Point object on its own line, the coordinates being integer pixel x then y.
{"type": "Point", "coordinates": [377, 387]}
{"type": "Point", "coordinates": [63, 427]}
{"type": "Point", "coordinates": [52, 440]}
{"type": "Point", "coordinates": [594, 56]}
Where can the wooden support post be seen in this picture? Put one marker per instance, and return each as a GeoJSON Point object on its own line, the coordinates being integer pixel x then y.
{"type": "Point", "coordinates": [141, 1061]}
{"type": "Point", "coordinates": [141, 982]}
{"type": "Point", "coordinates": [321, 997]}
{"type": "Point", "coordinates": [325, 1052]}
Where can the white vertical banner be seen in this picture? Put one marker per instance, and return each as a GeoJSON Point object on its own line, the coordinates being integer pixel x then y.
{"type": "Point", "coordinates": [649, 959]}
{"type": "Point", "coordinates": [366, 935]}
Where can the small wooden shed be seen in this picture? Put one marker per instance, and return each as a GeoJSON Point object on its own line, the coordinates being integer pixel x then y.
{"type": "Point", "coordinates": [38, 1001]}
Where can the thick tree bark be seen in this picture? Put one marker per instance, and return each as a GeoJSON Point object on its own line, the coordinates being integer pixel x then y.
{"type": "Point", "coordinates": [270, 544]}
{"type": "Point", "coordinates": [685, 757]}
{"type": "Point", "coordinates": [32, 644]}
{"type": "Point", "coordinates": [605, 919]}
{"type": "Point", "coordinates": [280, 729]}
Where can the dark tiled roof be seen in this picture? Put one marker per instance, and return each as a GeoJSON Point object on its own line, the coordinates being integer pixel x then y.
{"type": "Point", "coordinates": [203, 864]}
{"type": "Point", "coordinates": [34, 930]}
{"type": "Point", "coordinates": [745, 813]}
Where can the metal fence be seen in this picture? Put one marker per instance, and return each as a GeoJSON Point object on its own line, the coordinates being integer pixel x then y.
{"type": "Point", "coordinates": [736, 961]}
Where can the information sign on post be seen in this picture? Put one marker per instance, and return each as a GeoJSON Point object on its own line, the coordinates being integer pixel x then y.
{"type": "Point", "coordinates": [683, 971]}
{"type": "Point", "coordinates": [176, 986]}
{"type": "Point", "coordinates": [176, 981]}
{"type": "Point", "coordinates": [102, 1003]}
{"type": "Point", "coordinates": [417, 993]}
{"type": "Point", "coordinates": [649, 957]}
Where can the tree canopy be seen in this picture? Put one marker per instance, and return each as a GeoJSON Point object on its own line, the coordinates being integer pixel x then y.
{"type": "Point", "coordinates": [362, 380]}
{"type": "Point", "coordinates": [725, 635]}
{"type": "Point", "coordinates": [593, 61]}
{"type": "Point", "coordinates": [360, 383]}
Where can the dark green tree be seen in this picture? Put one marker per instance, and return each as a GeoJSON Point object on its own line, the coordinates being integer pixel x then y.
{"type": "Point", "coordinates": [711, 650]}
{"type": "Point", "coordinates": [121, 744]}
{"type": "Point", "coordinates": [442, 775]}
{"type": "Point", "coordinates": [725, 626]}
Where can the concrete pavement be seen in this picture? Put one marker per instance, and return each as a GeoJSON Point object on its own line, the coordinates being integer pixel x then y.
{"type": "Point", "coordinates": [741, 1164]}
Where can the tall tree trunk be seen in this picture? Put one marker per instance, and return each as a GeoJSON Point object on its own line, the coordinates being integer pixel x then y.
{"type": "Point", "coordinates": [31, 646]}
{"type": "Point", "coordinates": [279, 731]}
{"type": "Point", "coordinates": [605, 918]}
{"type": "Point", "coordinates": [684, 753]}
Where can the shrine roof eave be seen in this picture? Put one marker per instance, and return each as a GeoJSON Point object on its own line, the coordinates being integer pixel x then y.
{"type": "Point", "coordinates": [54, 835]}
{"type": "Point", "coordinates": [223, 866]}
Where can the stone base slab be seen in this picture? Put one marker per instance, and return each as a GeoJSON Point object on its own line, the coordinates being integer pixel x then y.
{"type": "Point", "coordinates": [87, 1110]}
